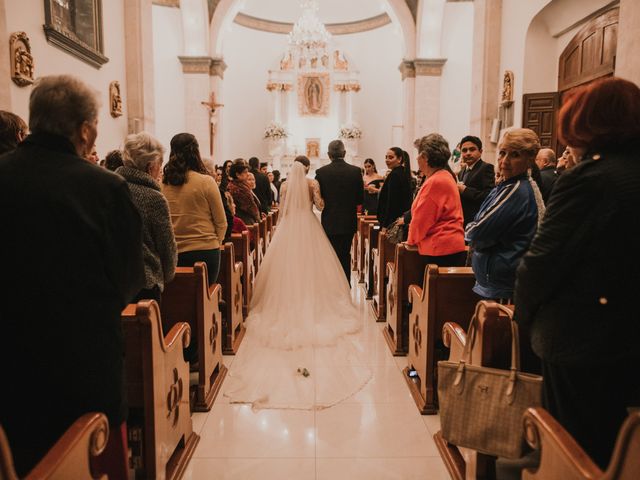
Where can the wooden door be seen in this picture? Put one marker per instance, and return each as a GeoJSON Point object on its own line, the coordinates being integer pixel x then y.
{"type": "Point", "coordinates": [539, 114]}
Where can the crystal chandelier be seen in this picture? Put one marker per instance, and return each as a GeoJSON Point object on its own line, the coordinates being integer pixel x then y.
{"type": "Point", "coordinates": [309, 38]}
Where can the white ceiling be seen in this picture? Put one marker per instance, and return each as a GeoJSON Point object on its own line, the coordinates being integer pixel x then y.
{"type": "Point", "coordinates": [330, 11]}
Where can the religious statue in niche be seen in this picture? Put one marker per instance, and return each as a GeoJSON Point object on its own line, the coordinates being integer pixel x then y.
{"type": "Point", "coordinates": [313, 147]}
{"type": "Point", "coordinates": [115, 99]}
{"type": "Point", "coordinates": [287, 62]}
{"type": "Point", "coordinates": [22, 65]}
{"type": "Point", "coordinates": [325, 60]}
{"type": "Point", "coordinates": [313, 94]}
{"type": "Point", "coordinates": [507, 88]}
{"type": "Point", "coordinates": [339, 62]}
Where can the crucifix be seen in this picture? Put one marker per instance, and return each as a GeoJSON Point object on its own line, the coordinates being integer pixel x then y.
{"type": "Point", "coordinates": [212, 105]}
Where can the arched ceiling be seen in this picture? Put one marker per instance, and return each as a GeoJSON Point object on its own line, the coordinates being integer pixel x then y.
{"type": "Point", "coordinates": [330, 11]}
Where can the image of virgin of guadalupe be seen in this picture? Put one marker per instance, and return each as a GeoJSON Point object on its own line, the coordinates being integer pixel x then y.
{"type": "Point", "coordinates": [313, 95]}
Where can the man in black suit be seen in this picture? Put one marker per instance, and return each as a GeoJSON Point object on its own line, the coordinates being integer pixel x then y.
{"type": "Point", "coordinates": [546, 161]}
{"type": "Point", "coordinates": [342, 188]}
{"type": "Point", "coordinates": [476, 179]}
{"type": "Point", "coordinates": [263, 189]}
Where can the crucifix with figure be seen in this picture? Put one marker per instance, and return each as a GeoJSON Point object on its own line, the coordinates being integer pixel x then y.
{"type": "Point", "coordinates": [212, 105]}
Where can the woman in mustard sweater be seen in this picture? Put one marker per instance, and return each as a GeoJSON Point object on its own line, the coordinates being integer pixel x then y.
{"type": "Point", "coordinates": [195, 204]}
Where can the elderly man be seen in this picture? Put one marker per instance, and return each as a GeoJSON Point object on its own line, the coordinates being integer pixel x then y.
{"type": "Point", "coordinates": [546, 161]}
{"type": "Point", "coordinates": [72, 249]}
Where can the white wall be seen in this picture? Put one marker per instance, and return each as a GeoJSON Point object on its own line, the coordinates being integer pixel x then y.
{"type": "Point", "coordinates": [455, 97]}
{"type": "Point", "coordinates": [168, 77]}
{"type": "Point", "coordinates": [249, 55]}
{"type": "Point", "coordinates": [28, 16]}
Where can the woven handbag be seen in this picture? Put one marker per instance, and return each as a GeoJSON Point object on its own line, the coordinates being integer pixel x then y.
{"type": "Point", "coordinates": [481, 408]}
{"type": "Point", "coordinates": [395, 233]}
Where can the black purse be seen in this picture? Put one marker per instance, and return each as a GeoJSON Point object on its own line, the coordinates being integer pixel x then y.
{"type": "Point", "coordinates": [396, 233]}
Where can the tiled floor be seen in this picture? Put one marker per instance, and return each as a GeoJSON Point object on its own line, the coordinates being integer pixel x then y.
{"type": "Point", "coordinates": [376, 434]}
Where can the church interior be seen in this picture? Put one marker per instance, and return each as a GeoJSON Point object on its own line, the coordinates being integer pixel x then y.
{"type": "Point", "coordinates": [280, 79]}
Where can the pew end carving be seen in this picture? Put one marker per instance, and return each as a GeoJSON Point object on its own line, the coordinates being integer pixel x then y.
{"type": "Point", "coordinates": [380, 255]}
{"type": "Point", "coordinates": [373, 229]}
{"type": "Point", "coordinates": [245, 255]}
{"type": "Point", "coordinates": [445, 295]}
{"type": "Point", "coordinates": [69, 457]}
{"type": "Point", "coordinates": [161, 435]}
{"type": "Point", "coordinates": [561, 458]}
{"type": "Point", "coordinates": [233, 328]}
{"type": "Point", "coordinates": [189, 298]}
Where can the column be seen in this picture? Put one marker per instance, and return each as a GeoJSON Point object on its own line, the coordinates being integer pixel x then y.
{"type": "Point", "coordinates": [216, 84]}
{"type": "Point", "coordinates": [408, 72]}
{"type": "Point", "coordinates": [487, 25]}
{"type": "Point", "coordinates": [139, 58]}
{"type": "Point", "coordinates": [627, 64]}
{"type": "Point", "coordinates": [427, 96]}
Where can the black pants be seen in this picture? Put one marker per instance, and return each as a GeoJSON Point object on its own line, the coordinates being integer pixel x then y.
{"type": "Point", "coordinates": [149, 294]}
{"type": "Point", "coordinates": [591, 402]}
{"type": "Point", "coordinates": [210, 257]}
{"type": "Point", "coordinates": [342, 246]}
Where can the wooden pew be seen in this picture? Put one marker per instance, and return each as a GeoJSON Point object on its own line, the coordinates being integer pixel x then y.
{"type": "Point", "coordinates": [383, 253]}
{"type": "Point", "coordinates": [276, 215]}
{"type": "Point", "coordinates": [258, 249]}
{"type": "Point", "coordinates": [70, 456]}
{"type": "Point", "coordinates": [492, 348]}
{"type": "Point", "coordinates": [264, 235]}
{"type": "Point", "coordinates": [161, 434]}
{"type": "Point", "coordinates": [361, 235]}
{"type": "Point", "coordinates": [231, 280]}
{"type": "Point", "coordinates": [561, 458]}
{"type": "Point", "coordinates": [407, 268]}
{"type": "Point", "coordinates": [189, 298]}
{"type": "Point", "coordinates": [244, 254]}
{"type": "Point", "coordinates": [370, 240]}
{"type": "Point", "coordinates": [445, 295]}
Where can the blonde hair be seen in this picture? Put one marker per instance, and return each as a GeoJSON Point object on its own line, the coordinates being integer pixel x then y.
{"type": "Point", "coordinates": [523, 140]}
{"type": "Point", "coordinates": [140, 150]}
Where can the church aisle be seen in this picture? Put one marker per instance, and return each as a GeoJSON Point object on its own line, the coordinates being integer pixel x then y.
{"type": "Point", "coordinates": [376, 434]}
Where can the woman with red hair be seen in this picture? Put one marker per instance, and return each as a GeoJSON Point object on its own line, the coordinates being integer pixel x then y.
{"type": "Point", "coordinates": [576, 286]}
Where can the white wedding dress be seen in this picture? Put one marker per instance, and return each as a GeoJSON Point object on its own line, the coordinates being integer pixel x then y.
{"type": "Point", "coordinates": [301, 317]}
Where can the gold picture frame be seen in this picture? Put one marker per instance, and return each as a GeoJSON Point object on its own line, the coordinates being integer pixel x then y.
{"type": "Point", "coordinates": [75, 26]}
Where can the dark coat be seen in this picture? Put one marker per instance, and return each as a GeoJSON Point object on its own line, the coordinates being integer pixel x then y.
{"type": "Point", "coordinates": [262, 190]}
{"type": "Point", "coordinates": [71, 252]}
{"type": "Point", "coordinates": [548, 177]}
{"type": "Point", "coordinates": [395, 197]}
{"type": "Point", "coordinates": [478, 182]}
{"type": "Point", "coordinates": [577, 285]}
{"type": "Point", "coordinates": [342, 189]}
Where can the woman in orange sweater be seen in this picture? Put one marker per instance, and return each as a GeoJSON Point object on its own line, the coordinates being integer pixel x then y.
{"type": "Point", "coordinates": [436, 214]}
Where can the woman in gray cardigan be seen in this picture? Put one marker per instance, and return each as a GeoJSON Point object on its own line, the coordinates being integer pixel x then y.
{"type": "Point", "coordinates": [142, 157]}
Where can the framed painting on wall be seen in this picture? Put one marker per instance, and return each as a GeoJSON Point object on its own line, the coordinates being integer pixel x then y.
{"type": "Point", "coordinates": [313, 94]}
{"type": "Point", "coordinates": [76, 27]}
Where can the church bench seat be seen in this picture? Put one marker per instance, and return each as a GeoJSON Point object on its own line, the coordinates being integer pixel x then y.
{"type": "Point", "coordinates": [561, 458]}
{"type": "Point", "coordinates": [257, 247]}
{"type": "Point", "coordinates": [361, 235]}
{"type": "Point", "coordinates": [70, 456]}
{"type": "Point", "coordinates": [232, 319]}
{"type": "Point", "coordinates": [443, 295]}
{"type": "Point", "coordinates": [244, 254]}
{"type": "Point", "coordinates": [264, 235]}
{"type": "Point", "coordinates": [370, 240]}
{"type": "Point", "coordinates": [492, 348]}
{"type": "Point", "coordinates": [380, 255]}
{"type": "Point", "coordinates": [406, 269]}
{"type": "Point", "coordinates": [189, 298]}
{"type": "Point", "coordinates": [160, 430]}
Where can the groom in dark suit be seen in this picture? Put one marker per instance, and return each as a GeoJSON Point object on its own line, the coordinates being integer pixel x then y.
{"type": "Point", "coordinates": [342, 188]}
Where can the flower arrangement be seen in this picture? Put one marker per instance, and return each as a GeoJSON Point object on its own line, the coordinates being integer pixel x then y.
{"type": "Point", "coordinates": [350, 131]}
{"type": "Point", "coordinates": [275, 131]}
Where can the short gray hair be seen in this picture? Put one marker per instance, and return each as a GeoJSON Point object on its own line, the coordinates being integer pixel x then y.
{"type": "Point", "coordinates": [336, 149]}
{"type": "Point", "coordinates": [436, 149]}
{"type": "Point", "coordinates": [60, 104]}
{"type": "Point", "coordinates": [140, 150]}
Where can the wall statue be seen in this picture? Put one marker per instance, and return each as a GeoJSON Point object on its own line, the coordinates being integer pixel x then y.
{"type": "Point", "coordinates": [115, 99]}
{"type": "Point", "coordinates": [22, 65]}
{"type": "Point", "coordinates": [313, 148]}
{"type": "Point", "coordinates": [507, 88]}
{"type": "Point", "coordinates": [339, 62]}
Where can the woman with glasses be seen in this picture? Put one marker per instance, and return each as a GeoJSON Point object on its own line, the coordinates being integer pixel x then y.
{"type": "Point", "coordinates": [395, 194]}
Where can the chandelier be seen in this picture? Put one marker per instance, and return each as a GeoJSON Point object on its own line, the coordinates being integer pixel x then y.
{"type": "Point", "coordinates": [309, 38]}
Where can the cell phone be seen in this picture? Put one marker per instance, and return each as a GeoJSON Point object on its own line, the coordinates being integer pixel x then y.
{"type": "Point", "coordinates": [413, 373]}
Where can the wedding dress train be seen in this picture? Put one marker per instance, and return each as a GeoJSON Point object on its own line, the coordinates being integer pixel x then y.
{"type": "Point", "coordinates": [302, 349]}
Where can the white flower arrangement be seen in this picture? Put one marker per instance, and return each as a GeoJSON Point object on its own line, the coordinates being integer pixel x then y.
{"type": "Point", "coordinates": [275, 131]}
{"type": "Point", "coordinates": [350, 131]}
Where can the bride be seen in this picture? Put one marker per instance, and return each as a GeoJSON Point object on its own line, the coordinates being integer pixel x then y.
{"type": "Point", "coordinates": [301, 350]}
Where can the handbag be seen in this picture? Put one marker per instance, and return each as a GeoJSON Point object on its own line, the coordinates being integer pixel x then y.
{"type": "Point", "coordinates": [481, 408]}
{"type": "Point", "coordinates": [395, 232]}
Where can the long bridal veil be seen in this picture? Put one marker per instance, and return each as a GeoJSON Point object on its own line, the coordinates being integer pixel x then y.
{"type": "Point", "coordinates": [301, 349]}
